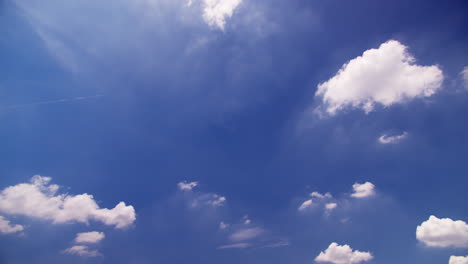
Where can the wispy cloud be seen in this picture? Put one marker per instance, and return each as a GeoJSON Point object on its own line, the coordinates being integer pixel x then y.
{"type": "Point", "coordinates": [57, 101]}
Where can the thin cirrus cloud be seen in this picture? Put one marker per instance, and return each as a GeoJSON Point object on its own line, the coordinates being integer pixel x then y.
{"type": "Point", "coordinates": [90, 237]}
{"type": "Point", "coordinates": [246, 234]}
{"type": "Point", "coordinates": [82, 251]}
{"type": "Point", "coordinates": [458, 260]}
{"type": "Point", "coordinates": [386, 139]}
{"type": "Point", "coordinates": [39, 199]}
{"type": "Point", "coordinates": [215, 12]}
{"type": "Point", "coordinates": [363, 190]}
{"type": "Point", "coordinates": [443, 232]}
{"type": "Point", "coordinates": [337, 254]}
{"type": "Point", "coordinates": [7, 228]}
{"type": "Point", "coordinates": [384, 76]}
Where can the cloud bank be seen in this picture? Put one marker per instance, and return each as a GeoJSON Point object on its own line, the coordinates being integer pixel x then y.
{"type": "Point", "coordinates": [384, 76]}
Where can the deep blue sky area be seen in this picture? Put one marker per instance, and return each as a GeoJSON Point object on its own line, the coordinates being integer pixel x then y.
{"type": "Point", "coordinates": [125, 99]}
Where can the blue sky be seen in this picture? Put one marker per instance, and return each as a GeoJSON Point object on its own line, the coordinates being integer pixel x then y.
{"type": "Point", "coordinates": [233, 131]}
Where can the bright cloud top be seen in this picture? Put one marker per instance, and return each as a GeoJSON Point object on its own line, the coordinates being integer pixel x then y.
{"type": "Point", "coordinates": [305, 205]}
{"type": "Point", "coordinates": [363, 190]}
{"type": "Point", "coordinates": [7, 228]}
{"type": "Point", "coordinates": [458, 260]}
{"type": "Point", "coordinates": [184, 186]}
{"type": "Point", "coordinates": [342, 255]}
{"type": "Point", "coordinates": [385, 139]}
{"type": "Point", "coordinates": [331, 206]}
{"type": "Point", "coordinates": [385, 76]}
{"type": "Point", "coordinates": [82, 251]}
{"type": "Point", "coordinates": [464, 75]}
{"type": "Point", "coordinates": [39, 199]}
{"type": "Point", "coordinates": [215, 12]}
{"type": "Point", "coordinates": [89, 237]}
{"type": "Point", "coordinates": [443, 232]}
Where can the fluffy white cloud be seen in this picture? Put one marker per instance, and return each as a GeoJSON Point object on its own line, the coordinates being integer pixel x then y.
{"type": "Point", "coordinates": [246, 234]}
{"type": "Point", "coordinates": [385, 76]}
{"type": "Point", "coordinates": [7, 228]}
{"type": "Point", "coordinates": [443, 232]}
{"type": "Point", "coordinates": [39, 199]}
{"type": "Point", "coordinates": [385, 139]}
{"type": "Point", "coordinates": [342, 255]}
{"type": "Point", "coordinates": [215, 12]}
{"type": "Point", "coordinates": [187, 186]}
{"type": "Point", "coordinates": [89, 237]}
{"type": "Point", "coordinates": [464, 75]}
{"type": "Point", "coordinates": [305, 205]}
{"type": "Point", "coordinates": [363, 190]}
{"type": "Point", "coordinates": [82, 251]}
{"type": "Point", "coordinates": [458, 260]}
{"type": "Point", "coordinates": [331, 206]}
{"type": "Point", "coordinates": [321, 196]}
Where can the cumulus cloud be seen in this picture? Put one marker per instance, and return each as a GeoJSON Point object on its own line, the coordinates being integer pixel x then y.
{"type": "Point", "coordinates": [385, 139]}
{"type": "Point", "coordinates": [458, 260]}
{"type": "Point", "coordinates": [386, 76]}
{"type": "Point", "coordinates": [39, 199]}
{"type": "Point", "coordinates": [187, 186]}
{"type": "Point", "coordinates": [464, 75]}
{"type": "Point", "coordinates": [82, 251]}
{"type": "Point", "coordinates": [89, 237]}
{"type": "Point", "coordinates": [330, 206]}
{"type": "Point", "coordinates": [246, 234]}
{"type": "Point", "coordinates": [321, 196]}
{"type": "Point", "coordinates": [342, 255]}
{"type": "Point", "coordinates": [305, 205]}
{"type": "Point", "coordinates": [215, 12]}
{"type": "Point", "coordinates": [7, 228]}
{"type": "Point", "coordinates": [443, 232]}
{"type": "Point", "coordinates": [363, 190]}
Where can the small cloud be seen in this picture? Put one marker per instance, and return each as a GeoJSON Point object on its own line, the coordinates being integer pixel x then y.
{"type": "Point", "coordinates": [223, 225]}
{"type": "Point", "coordinates": [282, 243]}
{"type": "Point", "coordinates": [343, 255]}
{"type": "Point", "coordinates": [236, 245]}
{"type": "Point", "coordinates": [363, 190]}
{"type": "Point", "coordinates": [215, 12]}
{"type": "Point", "coordinates": [216, 200]}
{"type": "Point", "coordinates": [321, 196]}
{"type": "Point", "coordinates": [246, 219]}
{"type": "Point", "coordinates": [82, 251]}
{"type": "Point", "coordinates": [184, 186]}
{"type": "Point", "coordinates": [330, 206]}
{"type": "Point", "coordinates": [7, 228]}
{"type": "Point", "coordinates": [384, 76]}
{"type": "Point", "coordinates": [89, 237]}
{"type": "Point", "coordinates": [246, 234]}
{"type": "Point", "coordinates": [443, 232]}
{"type": "Point", "coordinates": [458, 260]}
{"type": "Point", "coordinates": [464, 75]}
{"type": "Point", "coordinates": [385, 139]}
{"type": "Point", "coordinates": [305, 205]}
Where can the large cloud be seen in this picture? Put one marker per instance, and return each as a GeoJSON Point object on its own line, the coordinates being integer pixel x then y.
{"type": "Point", "coordinates": [385, 76]}
{"type": "Point", "coordinates": [7, 228]}
{"type": "Point", "coordinates": [215, 12]}
{"type": "Point", "coordinates": [342, 255]}
{"type": "Point", "coordinates": [443, 232]}
{"type": "Point", "coordinates": [458, 260]}
{"type": "Point", "coordinates": [39, 199]}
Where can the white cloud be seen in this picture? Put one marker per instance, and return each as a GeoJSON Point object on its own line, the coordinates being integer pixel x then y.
{"type": "Point", "coordinates": [246, 219]}
{"type": "Point", "coordinates": [39, 199]}
{"type": "Point", "coordinates": [7, 228]}
{"type": "Point", "coordinates": [330, 206]}
{"type": "Point", "coordinates": [216, 200]}
{"type": "Point", "coordinates": [305, 205]}
{"type": "Point", "coordinates": [223, 225]}
{"type": "Point", "coordinates": [236, 245]}
{"type": "Point", "coordinates": [82, 251]}
{"type": "Point", "coordinates": [363, 190]}
{"type": "Point", "coordinates": [458, 260]}
{"type": "Point", "coordinates": [90, 237]}
{"type": "Point", "coordinates": [246, 234]}
{"type": "Point", "coordinates": [385, 139]}
{"type": "Point", "coordinates": [342, 255]}
{"type": "Point", "coordinates": [215, 12]}
{"type": "Point", "coordinates": [184, 186]}
{"type": "Point", "coordinates": [321, 196]}
{"type": "Point", "coordinates": [385, 76]}
{"type": "Point", "coordinates": [464, 75]}
{"type": "Point", "coordinates": [443, 232]}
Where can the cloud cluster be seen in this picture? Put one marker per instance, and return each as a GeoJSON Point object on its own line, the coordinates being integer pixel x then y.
{"type": "Point", "coordinates": [363, 190]}
{"type": "Point", "coordinates": [39, 199]}
{"type": "Point", "coordinates": [7, 228]}
{"type": "Point", "coordinates": [387, 75]}
{"type": "Point", "coordinates": [445, 232]}
{"type": "Point", "coordinates": [385, 139]}
{"type": "Point", "coordinates": [342, 255]}
{"type": "Point", "coordinates": [458, 260]}
{"type": "Point", "coordinates": [84, 250]}
{"type": "Point", "coordinates": [215, 12]}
